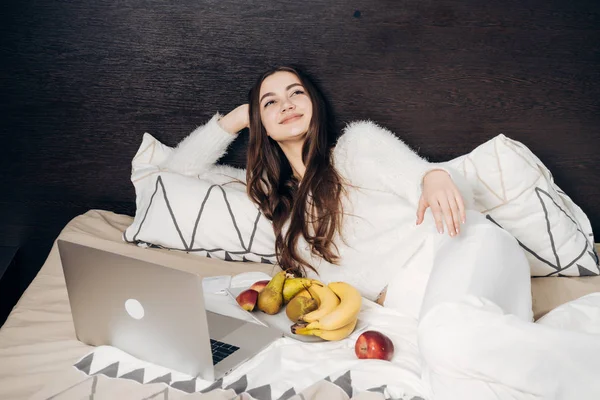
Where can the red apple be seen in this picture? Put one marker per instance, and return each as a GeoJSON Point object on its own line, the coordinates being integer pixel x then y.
{"type": "Point", "coordinates": [373, 344]}
{"type": "Point", "coordinates": [247, 299]}
{"type": "Point", "coordinates": [259, 286]}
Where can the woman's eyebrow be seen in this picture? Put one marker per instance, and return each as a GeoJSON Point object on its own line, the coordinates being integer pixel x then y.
{"type": "Point", "coordinates": [272, 94]}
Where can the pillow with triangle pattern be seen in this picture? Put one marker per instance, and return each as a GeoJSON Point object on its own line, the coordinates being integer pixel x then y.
{"type": "Point", "coordinates": [516, 191]}
{"type": "Point", "coordinates": [210, 216]}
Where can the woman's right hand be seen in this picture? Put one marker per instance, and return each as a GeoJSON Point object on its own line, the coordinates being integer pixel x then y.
{"type": "Point", "coordinates": [236, 120]}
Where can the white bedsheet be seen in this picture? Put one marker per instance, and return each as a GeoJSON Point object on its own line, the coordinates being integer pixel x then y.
{"type": "Point", "coordinates": [289, 364]}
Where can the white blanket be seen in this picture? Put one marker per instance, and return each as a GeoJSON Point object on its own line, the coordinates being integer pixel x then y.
{"type": "Point", "coordinates": [289, 367]}
{"type": "Point", "coordinates": [285, 368]}
{"type": "Point", "coordinates": [476, 334]}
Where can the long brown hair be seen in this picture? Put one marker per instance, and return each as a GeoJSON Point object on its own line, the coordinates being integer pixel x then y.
{"type": "Point", "coordinates": [313, 207]}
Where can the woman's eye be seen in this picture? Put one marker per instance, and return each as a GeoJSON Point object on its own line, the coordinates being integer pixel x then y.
{"type": "Point", "coordinates": [269, 103]}
{"type": "Point", "coordinates": [298, 92]}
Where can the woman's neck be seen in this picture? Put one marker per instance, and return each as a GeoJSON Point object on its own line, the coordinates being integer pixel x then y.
{"type": "Point", "coordinates": [293, 152]}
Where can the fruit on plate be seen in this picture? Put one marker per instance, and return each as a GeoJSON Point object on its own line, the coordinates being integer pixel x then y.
{"type": "Point", "coordinates": [293, 286]}
{"type": "Point", "coordinates": [304, 293]}
{"type": "Point", "coordinates": [270, 299]}
{"type": "Point", "coordinates": [336, 316]}
{"type": "Point", "coordinates": [346, 311]}
{"type": "Point", "coordinates": [328, 301]}
{"type": "Point", "coordinates": [336, 334]}
{"type": "Point", "coordinates": [374, 344]}
{"type": "Point", "coordinates": [247, 299]}
{"type": "Point", "coordinates": [299, 306]}
{"type": "Point", "coordinates": [259, 286]}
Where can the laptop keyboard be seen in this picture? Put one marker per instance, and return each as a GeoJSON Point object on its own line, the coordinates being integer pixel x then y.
{"type": "Point", "coordinates": [221, 350]}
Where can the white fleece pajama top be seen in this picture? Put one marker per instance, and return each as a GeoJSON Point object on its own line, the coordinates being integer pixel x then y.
{"type": "Point", "coordinates": [384, 177]}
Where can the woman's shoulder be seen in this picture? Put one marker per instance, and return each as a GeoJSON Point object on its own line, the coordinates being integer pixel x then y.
{"type": "Point", "coordinates": [363, 128]}
{"type": "Point", "coordinates": [363, 137]}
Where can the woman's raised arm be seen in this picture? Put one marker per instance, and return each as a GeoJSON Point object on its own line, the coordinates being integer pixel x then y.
{"type": "Point", "coordinates": [199, 151]}
{"type": "Point", "coordinates": [382, 157]}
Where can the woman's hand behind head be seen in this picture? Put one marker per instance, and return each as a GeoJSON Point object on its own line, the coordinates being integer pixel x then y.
{"type": "Point", "coordinates": [236, 120]}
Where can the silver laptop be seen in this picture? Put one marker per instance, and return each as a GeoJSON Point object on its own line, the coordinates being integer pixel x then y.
{"type": "Point", "coordinates": [155, 313]}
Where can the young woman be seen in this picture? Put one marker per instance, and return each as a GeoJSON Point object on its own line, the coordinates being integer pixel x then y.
{"type": "Point", "coordinates": [345, 211]}
{"type": "Point", "coordinates": [367, 210]}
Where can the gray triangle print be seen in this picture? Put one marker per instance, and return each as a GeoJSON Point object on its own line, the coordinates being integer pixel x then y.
{"type": "Point", "coordinates": [585, 272]}
{"type": "Point", "coordinates": [594, 257]}
{"type": "Point", "coordinates": [162, 379]}
{"type": "Point", "coordinates": [239, 386]}
{"type": "Point", "coordinates": [288, 393]}
{"type": "Point", "coordinates": [215, 385]}
{"type": "Point", "coordinates": [186, 386]}
{"type": "Point", "coordinates": [110, 371]}
{"type": "Point", "coordinates": [85, 363]}
{"type": "Point", "coordinates": [345, 382]}
{"type": "Point", "coordinates": [136, 375]}
{"type": "Point", "coordinates": [378, 389]}
{"type": "Point", "coordinates": [261, 392]}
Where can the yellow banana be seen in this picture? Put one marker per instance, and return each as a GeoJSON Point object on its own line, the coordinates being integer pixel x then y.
{"type": "Point", "coordinates": [328, 301]}
{"type": "Point", "coordinates": [345, 312]}
{"type": "Point", "coordinates": [336, 334]}
{"type": "Point", "coordinates": [293, 286]}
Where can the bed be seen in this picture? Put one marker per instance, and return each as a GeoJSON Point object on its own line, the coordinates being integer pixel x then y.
{"type": "Point", "coordinates": [41, 357]}
{"type": "Point", "coordinates": [83, 81]}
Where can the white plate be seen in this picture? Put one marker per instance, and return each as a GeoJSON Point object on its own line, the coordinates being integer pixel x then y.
{"type": "Point", "coordinates": [280, 320]}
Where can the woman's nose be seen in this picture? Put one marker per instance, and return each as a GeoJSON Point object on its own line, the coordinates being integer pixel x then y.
{"type": "Point", "coordinates": [287, 105]}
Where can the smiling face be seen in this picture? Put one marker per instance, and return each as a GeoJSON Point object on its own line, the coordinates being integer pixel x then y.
{"type": "Point", "coordinates": [285, 107]}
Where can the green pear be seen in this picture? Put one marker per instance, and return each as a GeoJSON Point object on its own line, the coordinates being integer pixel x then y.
{"type": "Point", "coordinates": [299, 306]}
{"type": "Point", "coordinates": [270, 299]}
{"type": "Point", "coordinates": [293, 286]}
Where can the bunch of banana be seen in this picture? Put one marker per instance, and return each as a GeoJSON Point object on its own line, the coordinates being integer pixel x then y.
{"type": "Point", "coordinates": [335, 316]}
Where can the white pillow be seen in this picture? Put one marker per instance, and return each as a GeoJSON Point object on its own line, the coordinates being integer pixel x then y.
{"type": "Point", "coordinates": [212, 216]}
{"type": "Point", "coordinates": [514, 189]}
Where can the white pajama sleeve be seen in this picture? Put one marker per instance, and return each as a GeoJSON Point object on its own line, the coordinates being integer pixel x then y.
{"type": "Point", "coordinates": [198, 152]}
{"type": "Point", "coordinates": [392, 162]}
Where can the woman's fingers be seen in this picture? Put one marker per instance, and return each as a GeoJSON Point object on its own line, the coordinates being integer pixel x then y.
{"type": "Point", "coordinates": [446, 202]}
{"type": "Point", "coordinates": [447, 208]}
{"type": "Point", "coordinates": [455, 212]}
{"type": "Point", "coordinates": [447, 211]}
{"type": "Point", "coordinates": [461, 206]}
{"type": "Point", "coordinates": [421, 210]}
{"type": "Point", "coordinates": [438, 216]}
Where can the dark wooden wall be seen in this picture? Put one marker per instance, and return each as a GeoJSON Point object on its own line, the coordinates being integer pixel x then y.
{"type": "Point", "coordinates": [81, 81]}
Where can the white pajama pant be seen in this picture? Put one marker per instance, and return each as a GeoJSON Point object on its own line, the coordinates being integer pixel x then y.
{"type": "Point", "coordinates": [476, 334]}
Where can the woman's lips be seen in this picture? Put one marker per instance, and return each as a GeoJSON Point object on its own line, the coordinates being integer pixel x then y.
{"type": "Point", "coordinates": [291, 119]}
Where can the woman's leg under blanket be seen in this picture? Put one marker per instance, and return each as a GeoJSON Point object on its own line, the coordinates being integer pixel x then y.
{"type": "Point", "coordinates": [476, 333]}
{"type": "Point", "coordinates": [482, 261]}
